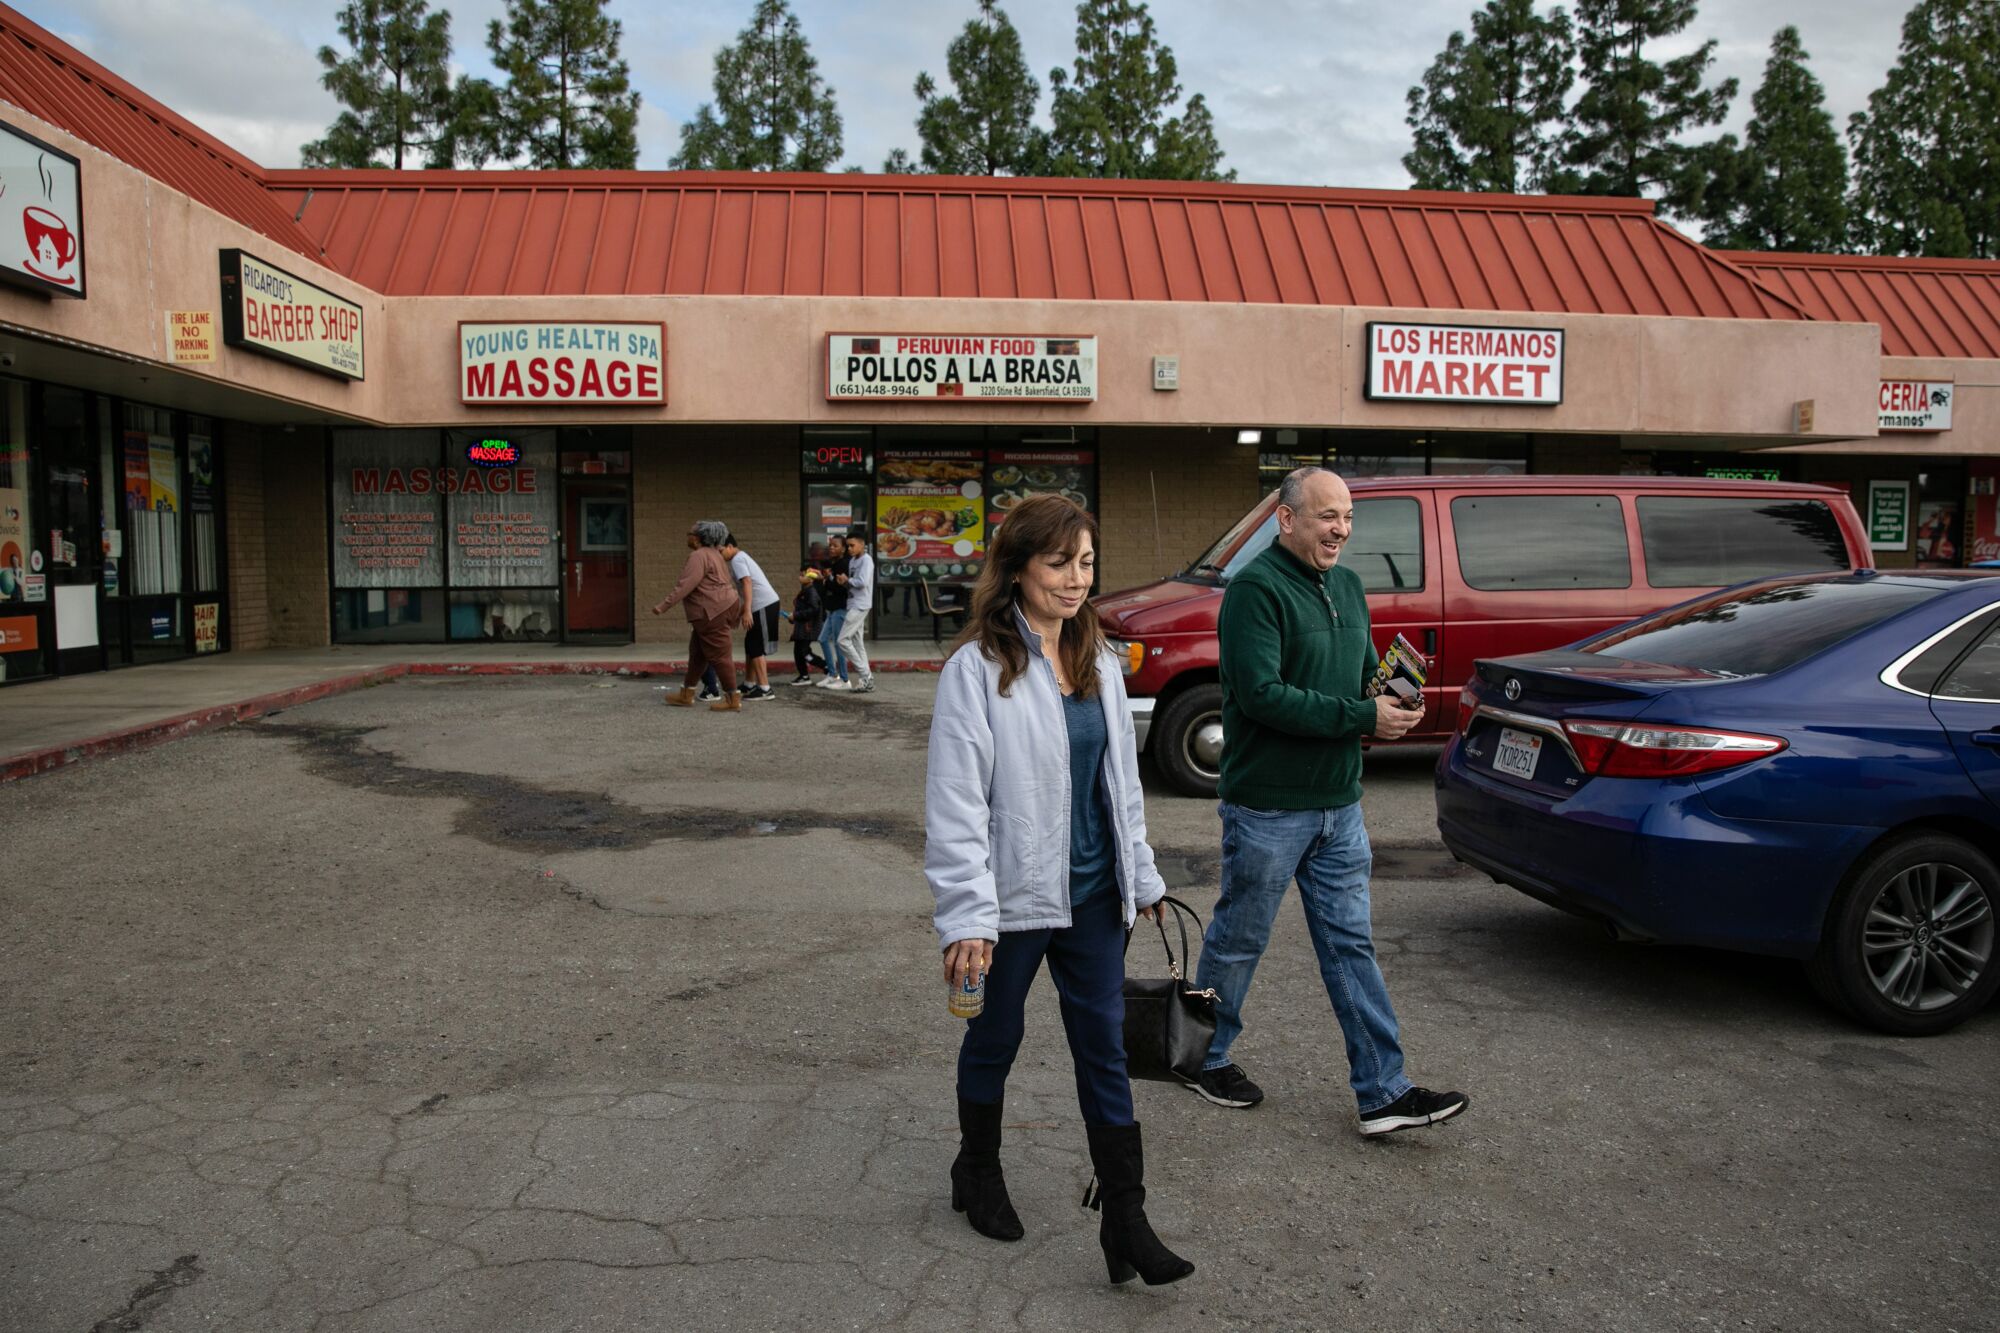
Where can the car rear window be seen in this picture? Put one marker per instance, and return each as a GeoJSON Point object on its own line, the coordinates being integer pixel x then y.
{"type": "Point", "coordinates": [1708, 541]}
{"type": "Point", "coordinates": [1386, 550]}
{"type": "Point", "coordinates": [1767, 630]}
{"type": "Point", "coordinates": [1521, 543]}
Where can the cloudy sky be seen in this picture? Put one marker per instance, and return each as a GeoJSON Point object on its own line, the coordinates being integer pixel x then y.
{"type": "Point", "coordinates": [1304, 92]}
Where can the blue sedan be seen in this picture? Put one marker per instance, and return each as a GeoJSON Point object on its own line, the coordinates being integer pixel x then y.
{"type": "Point", "coordinates": [1805, 766]}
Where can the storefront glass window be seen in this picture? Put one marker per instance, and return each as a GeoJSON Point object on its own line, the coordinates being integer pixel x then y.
{"type": "Point", "coordinates": [21, 648]}
{"type": "Point", "coordinates": [1940, 534]}
{"type": "Point", "coordinates": [503, 523]}
{"type": "Point", "coordinates": [1478, 456]}
{"type": "Point", "coordinates": [387, 522]}
{"type": "Point", "coordinates": [201, 505]}
{"type": "Point", "coordinates": [151, 483]}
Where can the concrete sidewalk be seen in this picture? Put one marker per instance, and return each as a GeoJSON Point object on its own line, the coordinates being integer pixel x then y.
{"type": "Point", "coordinates": [46, 725]}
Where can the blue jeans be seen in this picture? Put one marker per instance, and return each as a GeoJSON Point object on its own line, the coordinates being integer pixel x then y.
{"type": "Point", "coordinates": [829, 644]}
{"type": "Point", "coordinates": [1087, 962]}
{"type": "Point", "coordinates": [1328, 852]}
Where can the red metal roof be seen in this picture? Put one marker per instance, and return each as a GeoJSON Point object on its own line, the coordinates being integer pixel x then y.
{"type": "Point", "coordinates": [742, 233]}
{"type": "Point", "coordinates": [48, 78]}
{"type": "Point", "coordinates": [1924, 307]}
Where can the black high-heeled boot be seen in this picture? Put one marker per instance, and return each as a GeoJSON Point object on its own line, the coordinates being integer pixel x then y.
{"type": "Point", "coordinates": [977, 1188]}
{"type": "Point", "coordinates": [1130, 1247]}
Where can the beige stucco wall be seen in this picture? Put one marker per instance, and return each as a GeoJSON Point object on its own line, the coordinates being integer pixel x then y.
{"type": "Point", "coordinates": [1975, 413]}
{"type": "Point", "coordinates": [150, 249]}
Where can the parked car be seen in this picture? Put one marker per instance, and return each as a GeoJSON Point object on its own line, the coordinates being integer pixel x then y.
{"type": "Point", "coordinates": [1471, 567]}
{"type": "Point", "coordinates": [1805, 766]}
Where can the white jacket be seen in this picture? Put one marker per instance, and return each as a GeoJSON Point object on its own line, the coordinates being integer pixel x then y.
{"type": "Point", "coordinates": [997, 798]}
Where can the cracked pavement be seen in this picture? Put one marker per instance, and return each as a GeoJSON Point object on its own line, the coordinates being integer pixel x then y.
{"type": "Point", "coordinates": [532, 1005]}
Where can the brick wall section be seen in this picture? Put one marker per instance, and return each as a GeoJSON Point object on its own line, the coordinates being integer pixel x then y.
{"type": "Point", "coordinates": [295, 538]}
{"type": "Point", "coordinates": [1205, 481]}
{"type": "Point", "coordinates": [745, 476]}
{"type": "Point", "coordinates": [243, 524]}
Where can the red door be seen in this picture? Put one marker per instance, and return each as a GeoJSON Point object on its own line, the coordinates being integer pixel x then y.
{"type": "Point", "coordinates": [597, 561]}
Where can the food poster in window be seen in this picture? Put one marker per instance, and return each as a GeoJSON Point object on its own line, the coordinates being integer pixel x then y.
{"type": "Point", "coordinates": [1937, 534]}
{"type": "Point", "coordinates": [930, 519]}
{"type": "Point", "coordinates": [138, 459]}
{"type": "Point", "coordinates": [162, 475]}
{"type": "Point", "coordinates": [1983, 537]}
{"type": "Point", "coordinates": [201, 474]}
{"type": "Point", "coordinates": [1021, 474]}
{"type": "Point", "coordinates": [13, 544]}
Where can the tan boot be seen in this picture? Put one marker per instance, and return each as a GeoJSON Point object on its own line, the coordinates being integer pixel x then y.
{"type": "Point", "coordinates": [731, 702]}
{"type": "Point", "coordinates": [681, 698]}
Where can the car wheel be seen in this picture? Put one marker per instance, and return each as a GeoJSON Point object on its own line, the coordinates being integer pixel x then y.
{"type": "Point", "coordinates": [1187, 740]}
{"type": "Point", "coordinates": [1908, 946]}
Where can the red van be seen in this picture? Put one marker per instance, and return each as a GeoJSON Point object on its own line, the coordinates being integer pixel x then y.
{"type": "Point", "coordinates": [1472, 567]}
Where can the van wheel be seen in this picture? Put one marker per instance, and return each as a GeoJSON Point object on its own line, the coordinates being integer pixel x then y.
{"type": "Point", "coordinates": [1187, 740]}
{"type": "Point", "coordinates": [1908, 944]}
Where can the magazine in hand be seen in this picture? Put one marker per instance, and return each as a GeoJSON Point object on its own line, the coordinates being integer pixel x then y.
{"type": "Point", "coordinates": [1400, 673]}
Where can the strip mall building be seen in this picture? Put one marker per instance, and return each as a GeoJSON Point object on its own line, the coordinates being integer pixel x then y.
{"type": "Point", "coordinates": [245, 408]}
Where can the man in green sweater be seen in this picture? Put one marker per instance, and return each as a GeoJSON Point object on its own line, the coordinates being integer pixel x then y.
{"type": "Point", "coordinates": [1296, 661]}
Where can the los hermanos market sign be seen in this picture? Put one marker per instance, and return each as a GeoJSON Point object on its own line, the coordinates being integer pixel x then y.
{"type": "Point", "coordinates": [1011, 367]}
{"type": "Point", "coordinates": [562, 364]}
{"type": "Point", "coordinates": [1914, 405]}
{"type": "Point", "coordinates": [278, 314]}
{"type": "Point", "coordinates": [1451, 363]}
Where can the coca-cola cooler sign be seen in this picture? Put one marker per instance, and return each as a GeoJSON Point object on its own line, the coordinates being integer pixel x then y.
{"type": "Point", "coordinates": [41, 215]}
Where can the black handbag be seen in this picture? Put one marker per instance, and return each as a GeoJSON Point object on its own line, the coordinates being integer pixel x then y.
{"type": "Point", "coordinates": [1168, 1023]}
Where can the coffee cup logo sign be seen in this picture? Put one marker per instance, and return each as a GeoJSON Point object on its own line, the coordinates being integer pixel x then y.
{"type": "Point", "coordinates": [41, 215]}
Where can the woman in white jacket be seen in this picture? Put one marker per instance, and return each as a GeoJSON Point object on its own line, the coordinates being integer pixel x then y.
{"type": "Point", "coordinates": [1035, 849]}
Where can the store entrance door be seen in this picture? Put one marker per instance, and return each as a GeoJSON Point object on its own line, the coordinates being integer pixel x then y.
{"type": "Point", "coordinates": [597, 561]}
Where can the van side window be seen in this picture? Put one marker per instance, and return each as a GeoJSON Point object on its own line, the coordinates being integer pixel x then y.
{"type": "Point", "coordinates": [1522, 543]}
{"type": "Point", "coordinates": [1387, 548]}
{"type": "Point", "coordinates": [1704, 541]}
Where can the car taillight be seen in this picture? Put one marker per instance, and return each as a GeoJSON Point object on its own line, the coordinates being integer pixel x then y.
{"type": "Point", "coordinates": [1631, 750]}
{"type": "Point", "coordinates": [1468, 699]}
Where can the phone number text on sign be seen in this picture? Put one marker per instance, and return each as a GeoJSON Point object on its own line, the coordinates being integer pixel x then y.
{"type": "Point", "coordinates": [954, 367]}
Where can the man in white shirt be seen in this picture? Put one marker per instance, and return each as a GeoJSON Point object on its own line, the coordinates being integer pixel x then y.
{"type": "Point", "coordinates": [760, 616]}
{"type": "Point", "coordinates": [860, 581]}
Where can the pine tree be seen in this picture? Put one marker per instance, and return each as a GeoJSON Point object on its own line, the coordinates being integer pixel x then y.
{"type": "Point", "coordinates": [396, 84]}
{"type": "Point", "coordinates": [986, 127]}
{"type": "Point", "coordinates": [1628, 122]}
{"type": "Point", "coordinates": [1927, 149]}
{"type": "Point", "coordinates": [1786, 187]}
{"type": "Point", "coordinates": [1111, 117]}
{"type": "Point", "coordinates": [1484, 116]}
{"type": "Point", "coordinates": [772, 110]}
{"type": "Point", "coordinates": [568, 99]}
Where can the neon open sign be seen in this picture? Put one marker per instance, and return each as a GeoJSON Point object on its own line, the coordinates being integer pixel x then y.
{"type": "Point", "coordinates": [493, 453]}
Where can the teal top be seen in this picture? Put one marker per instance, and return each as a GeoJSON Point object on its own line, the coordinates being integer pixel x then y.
{"type": "Point", "coordinates": [1092, 861]}
{"type": "Point", "coordinates": [1296, 655]}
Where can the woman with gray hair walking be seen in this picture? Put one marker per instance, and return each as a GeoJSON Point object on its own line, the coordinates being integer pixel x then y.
{"type": "Point", "coordinates": [709, 595]}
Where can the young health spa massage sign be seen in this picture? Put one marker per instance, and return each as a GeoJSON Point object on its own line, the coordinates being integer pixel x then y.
{"type": "Point", "coordinates": [562, 364]}
{"type": "Point", "coordinates": [1450, 363]}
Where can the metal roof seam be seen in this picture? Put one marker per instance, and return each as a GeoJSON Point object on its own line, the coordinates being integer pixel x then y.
{"type": "Point", "coordinates": [1325, 214]}
{"type": "Point", "coordinates": [596, 237]}
{"type": "Point", "coordinates": [1971, 337]}
{"type": "Point", "coordinates": [1883, 293]}
{"type": "Point", "coordinates": [1305, 259]}
{"type": "Point", "coordinates": [444, 232]}
{"type": "Point", "coordinates": [1590, 292]}
{"type": "Point", "coordinates": [1946, 330]}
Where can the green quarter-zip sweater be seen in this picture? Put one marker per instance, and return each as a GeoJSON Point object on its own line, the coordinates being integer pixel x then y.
{"type": "Point", "coordinates": [1296, 655]}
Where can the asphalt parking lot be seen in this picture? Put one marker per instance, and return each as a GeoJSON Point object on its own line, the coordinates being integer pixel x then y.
{"type": "Point", "coordinates": [533, 1005]}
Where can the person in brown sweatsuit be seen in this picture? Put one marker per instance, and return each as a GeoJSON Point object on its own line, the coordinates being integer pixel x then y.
{"type": "Point", "coordinates": [709, 596]}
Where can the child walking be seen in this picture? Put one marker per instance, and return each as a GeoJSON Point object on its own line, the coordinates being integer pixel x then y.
{"type": "Point", "coordinates": [807, 615]}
